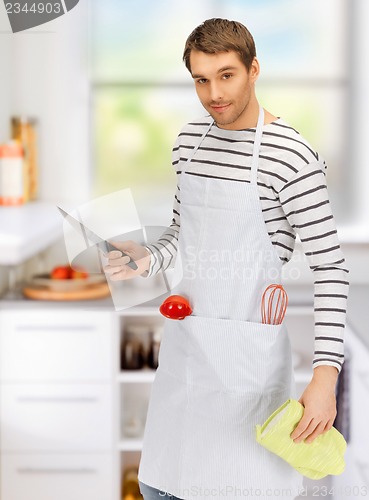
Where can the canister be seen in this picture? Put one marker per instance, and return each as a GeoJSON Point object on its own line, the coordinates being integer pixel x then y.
{"type": "Point", "coordinates": [11, 174]}
{"type": "Point", "coordinates": [23, 129]}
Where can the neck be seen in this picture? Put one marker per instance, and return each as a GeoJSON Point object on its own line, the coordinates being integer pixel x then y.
{"type": "Point", "coordinates": [251, 113]}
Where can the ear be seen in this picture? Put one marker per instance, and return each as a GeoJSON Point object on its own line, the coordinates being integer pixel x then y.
{"type": "Point", "coordinates": [254, 70]}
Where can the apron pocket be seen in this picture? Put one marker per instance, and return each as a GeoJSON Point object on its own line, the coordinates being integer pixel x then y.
{"type": "Point", "coordinates": [173, 352]}
{"type": "Point", "coordinates": [235, 356]}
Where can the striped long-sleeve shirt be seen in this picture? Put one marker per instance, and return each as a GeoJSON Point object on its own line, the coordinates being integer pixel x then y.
{"type": "Point", "coordinates": [291, 180]}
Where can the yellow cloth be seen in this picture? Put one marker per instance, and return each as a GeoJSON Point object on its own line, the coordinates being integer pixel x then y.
{"type": "Point", "coordinates": [323, 456]}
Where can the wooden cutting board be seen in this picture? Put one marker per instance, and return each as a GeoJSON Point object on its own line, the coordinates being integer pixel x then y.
{"type": "Point", "coordinates": [93, 291]}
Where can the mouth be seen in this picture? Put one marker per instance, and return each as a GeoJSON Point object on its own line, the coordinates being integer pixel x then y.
{"type": "Point", "coordinates": [220, 108]}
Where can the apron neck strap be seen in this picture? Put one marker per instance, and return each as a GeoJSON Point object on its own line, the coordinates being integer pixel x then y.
{"type": "Point", "coordinates": [200, 142]}
{"type": "Point", "coordinates": [256, 149]}
{"type": "Point", "coordinates": [257, 142]}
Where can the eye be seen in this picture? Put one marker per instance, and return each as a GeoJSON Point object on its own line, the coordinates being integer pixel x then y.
{"type": "Point", "coordinates": [226, 76]}
{"type": "Point", "coordinates": [201, 80]}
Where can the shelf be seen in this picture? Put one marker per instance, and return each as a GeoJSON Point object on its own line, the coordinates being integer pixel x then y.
{"type": "Point", "coordinates": [26, 230]}
{"type": "Point", "coordinates": [130, 444]}
{"type": "Point", "coordinates": [142, 310]}
{"type": "Point", "coordinates": [138, 376]}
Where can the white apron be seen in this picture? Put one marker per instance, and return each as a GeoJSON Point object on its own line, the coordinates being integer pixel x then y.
{"type": "Point", "coordinates": [221, 371]}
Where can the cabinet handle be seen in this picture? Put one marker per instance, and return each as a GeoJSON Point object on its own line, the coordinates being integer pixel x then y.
{"type": "Point", "coordinates": [58, 399]}
{"type": "Point", "coordinates": [55, 470]}
{"type": "Point", "coordinates": [54, 327]}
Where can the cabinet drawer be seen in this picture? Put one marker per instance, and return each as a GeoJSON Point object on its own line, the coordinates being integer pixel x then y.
{"type": "Point", "coordinates": [52, 417]}
{"type": "Point", "coordinates": [56, 477]}
{"type": "Point", "coordinates": [55, 345]}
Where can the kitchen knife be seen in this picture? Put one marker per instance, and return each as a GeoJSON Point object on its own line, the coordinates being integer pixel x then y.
{"type": "Point", "coordinates": [93, 237]}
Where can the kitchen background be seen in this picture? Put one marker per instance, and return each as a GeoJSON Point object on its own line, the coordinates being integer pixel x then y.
{"type": "Point", "coordinates": [108, 91]}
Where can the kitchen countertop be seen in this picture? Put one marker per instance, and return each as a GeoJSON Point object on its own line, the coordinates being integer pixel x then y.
{"type": "Point", "coordinates": [26, 230]}
{"type": "Point", "coordinates": [105, 304]}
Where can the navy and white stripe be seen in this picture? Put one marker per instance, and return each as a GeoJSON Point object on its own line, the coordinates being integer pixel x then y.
{"type": "Point", "coordinates": [294, 201]}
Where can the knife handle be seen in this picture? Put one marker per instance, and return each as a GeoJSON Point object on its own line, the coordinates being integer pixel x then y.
{"type": "Point", "coordinates": [108, 247]}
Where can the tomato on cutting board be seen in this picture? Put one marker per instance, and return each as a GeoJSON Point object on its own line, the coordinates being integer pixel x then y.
{"type": "Point", "coordinates": [61, 273]}
{"type": "Point", "coordinates": [67, 272]}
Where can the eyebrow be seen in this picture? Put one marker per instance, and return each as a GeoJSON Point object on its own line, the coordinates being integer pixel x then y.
{"type": "Point", "coordinates": [225, 68]}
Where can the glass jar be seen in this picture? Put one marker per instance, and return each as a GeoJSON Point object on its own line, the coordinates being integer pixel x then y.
{"type": "Point", "coordinates": [132, 352]}
{"type": "Point", "coordinates": [23, 129]}
{"type": "Point", "coordinates": [153, 354]}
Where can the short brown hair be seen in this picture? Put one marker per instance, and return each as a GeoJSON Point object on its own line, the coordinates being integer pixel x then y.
{"type": "Point", "coordinates": [221, 35]}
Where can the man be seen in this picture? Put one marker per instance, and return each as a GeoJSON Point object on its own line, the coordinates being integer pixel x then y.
{"type": "Point", "coordinates": [235, 193]}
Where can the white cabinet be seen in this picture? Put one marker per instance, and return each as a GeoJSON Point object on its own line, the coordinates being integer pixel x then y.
{"type": "Point", "coordinates": [47, 417]}
{"type": "Point", "coordinates": [60, 346]}
{"type": "Point", "coordinates": [58, 404]}
{"type": "Point", "coordinates": [57, 476]}
{"type": "Point", "coordinates": [71, 419]}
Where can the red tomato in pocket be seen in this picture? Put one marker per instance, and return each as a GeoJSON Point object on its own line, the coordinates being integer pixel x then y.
{"type": "Point", "coordinates": [175, 307]}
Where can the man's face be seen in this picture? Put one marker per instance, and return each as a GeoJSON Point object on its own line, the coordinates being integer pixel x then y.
{"type": "Point", "coordinates": [223, 86]}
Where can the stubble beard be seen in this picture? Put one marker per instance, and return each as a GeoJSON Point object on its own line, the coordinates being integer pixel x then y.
{"type": "Point", "coordinates": [223, 121]}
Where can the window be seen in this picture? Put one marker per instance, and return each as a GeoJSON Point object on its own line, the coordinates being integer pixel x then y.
{"type": "Point", "coordinates": [142, 93]}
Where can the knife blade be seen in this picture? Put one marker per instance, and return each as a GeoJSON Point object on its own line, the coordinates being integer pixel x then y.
{"type": "Point", "coordinates": [93, 237]}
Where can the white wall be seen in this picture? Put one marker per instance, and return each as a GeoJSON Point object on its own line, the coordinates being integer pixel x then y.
{"type": "Point", "coordinates": [45, 76]}
{"type": "Point", "coordinates": [360, 105]}
{"type": "Point", "coordinates": [5, 96]}
{"type": "Point", "coordinates": [6, 78]}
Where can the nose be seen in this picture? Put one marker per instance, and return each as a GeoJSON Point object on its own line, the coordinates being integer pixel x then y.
{"type": "Point", "coordinates": [216, 93]}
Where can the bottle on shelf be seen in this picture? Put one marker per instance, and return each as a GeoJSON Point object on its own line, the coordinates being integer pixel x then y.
{"type": "Point", "coordinates": [130, 486]}
{"type": "Point", "coordinates": [132, 353]}
{"type": "Point", "coordinates": [153, 354]}
{"type": "Point", "coordinates": [11, 174]}
{"type": "Point", "coordinates": [23, 129]}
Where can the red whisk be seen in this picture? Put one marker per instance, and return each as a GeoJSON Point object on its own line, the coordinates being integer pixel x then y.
{"type": "Point", "coordinates": [274, 312]}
